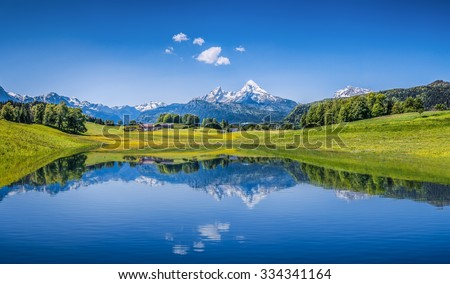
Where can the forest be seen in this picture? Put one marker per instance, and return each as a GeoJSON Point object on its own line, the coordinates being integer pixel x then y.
{"type": "Point", "coordinates": [434, 96]}
{"type": "Point", "coordinates": [60, 116]}
{"type": "Point", "coordinates": [357, 108]}
{"type": "Point", "coordinates": [188, 119]}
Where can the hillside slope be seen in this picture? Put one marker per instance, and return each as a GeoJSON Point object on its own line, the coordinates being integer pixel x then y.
{"type": "Point", "coordinates": [26, 147]}
{"type": "Point", "coordinates": [432, 94]}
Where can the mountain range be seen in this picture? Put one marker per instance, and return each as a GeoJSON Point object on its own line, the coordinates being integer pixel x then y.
{"type": "Point", "coordinates": [105, 112]}
{"type": "Point", "coordinates": [249, 104]}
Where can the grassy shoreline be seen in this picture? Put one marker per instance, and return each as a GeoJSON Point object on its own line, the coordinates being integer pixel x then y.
{"type": "Point", "coordinates": [408, 146]}
{"type": "Point", "coordinates": [25, 148]}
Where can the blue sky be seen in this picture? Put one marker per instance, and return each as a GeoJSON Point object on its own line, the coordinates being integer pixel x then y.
{"type": "Point", "coordinates": [113, 52]}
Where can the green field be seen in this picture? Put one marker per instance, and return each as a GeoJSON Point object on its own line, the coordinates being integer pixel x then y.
{"type": "Point", "coordinates": [25, 148]}
{"type": "Point", "coordinates": [407, 146]}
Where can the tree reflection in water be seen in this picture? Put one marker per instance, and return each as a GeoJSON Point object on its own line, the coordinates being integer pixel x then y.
{"type": "Point", "coordinates": [250, 178]}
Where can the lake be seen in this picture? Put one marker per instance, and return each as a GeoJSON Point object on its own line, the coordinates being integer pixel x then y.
{"type": "Point", "coordinates": [224, 210]}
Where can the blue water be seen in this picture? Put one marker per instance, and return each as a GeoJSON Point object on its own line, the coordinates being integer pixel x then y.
{"type": "Point", "coordinates": [229, 210]}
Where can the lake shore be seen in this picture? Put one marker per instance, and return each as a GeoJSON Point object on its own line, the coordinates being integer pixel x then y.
{"type": "Point", "coordinates": [407, 146]}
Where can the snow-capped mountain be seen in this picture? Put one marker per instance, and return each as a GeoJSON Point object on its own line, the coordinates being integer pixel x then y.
{"type": "Point", "coordinates": [249, 104]}
{"type": "Point", "coordinates": [115, 113]}
{"type": "Point", "coordinates": [24, 99]}
{"type": "Point", "coordinates": [149, 106]}
{"type": "Point", "coordinates": [250, 93]}
{"type": "Point", "coordinates": [218, 95]}
{"type": "Point", "coordinates": [350, 91]}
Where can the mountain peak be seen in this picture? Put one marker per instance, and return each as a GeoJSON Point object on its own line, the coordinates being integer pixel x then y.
{"type": "Point", "coordinates": [351, 91]}
{"type": "Point", "coordinates": [252, 83]}
{"type": "Point", "coordinates": [217, 90]}
{"type": "Point", "coordinates": [252, 87]}
{"type": "Point", "coordinates": [251, 94]}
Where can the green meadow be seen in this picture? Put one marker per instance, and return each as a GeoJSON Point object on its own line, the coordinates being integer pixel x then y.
{"type": "Point", "coordinates": [26, 147]}
{"type": "Point", "coordinates": [406, 146]}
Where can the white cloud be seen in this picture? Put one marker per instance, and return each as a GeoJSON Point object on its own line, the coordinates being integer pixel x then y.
{"type": "Point", "coordinates": [169, 50]}
{"type": "Point", "coordinates": [180, 249]}
{"type": "Point", "coordinates": [180, 37]}
{"type": "Point", "coordinates": [240, 48]}
{"type": "Point", "coordinates": [199, 246]}
{"type": "Point", "coordinates": [223, 61]}
{"type": "Point", "coordinates": [169, 237]}
{"type": "Point", "coordinates": [211, 56]}
{"type": "Point", "coordinates": [213, 231]}
{"type": "Point", "coordinates": [199, 41]}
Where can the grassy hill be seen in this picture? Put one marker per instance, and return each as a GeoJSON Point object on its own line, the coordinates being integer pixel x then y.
{"type": "Point", "coordinates": [27, 147]}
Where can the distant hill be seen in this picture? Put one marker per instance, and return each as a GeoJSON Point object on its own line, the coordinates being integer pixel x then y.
{"type": "Point", "coordinates": [432, 94]}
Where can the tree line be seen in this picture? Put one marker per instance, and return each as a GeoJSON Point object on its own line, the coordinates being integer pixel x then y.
{"type": "Point", "coordinates": [435, 95]}
{"type": "Point", "coordinates": [107, 122]}
{"type": "Point", "coordinates": [60, 116]}
{"type": "Point", "coordinates": [192, 120]}
{"type": "Point", "coordinates": [188, 119]}
{"type": "Point", "coordinates": [357, 108]}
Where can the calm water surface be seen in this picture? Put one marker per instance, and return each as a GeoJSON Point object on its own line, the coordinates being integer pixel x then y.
{"type": "Point", "coordinates": [226, 210]}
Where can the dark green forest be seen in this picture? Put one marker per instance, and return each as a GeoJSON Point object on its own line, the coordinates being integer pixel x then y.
{"type": "Point", "coordinates": [188, 119]}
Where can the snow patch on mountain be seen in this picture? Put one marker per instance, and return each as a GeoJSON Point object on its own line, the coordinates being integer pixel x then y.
{"type": "Point", "coordinates": [149, 106]}
{"type": "Point", "coordinates": [20, 98]}
{"type": "Point", "coordinates": [351, 91]}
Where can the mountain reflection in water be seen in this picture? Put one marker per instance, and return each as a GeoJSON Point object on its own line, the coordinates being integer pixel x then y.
{"type": "Point", "coordinates": [250, 178]}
